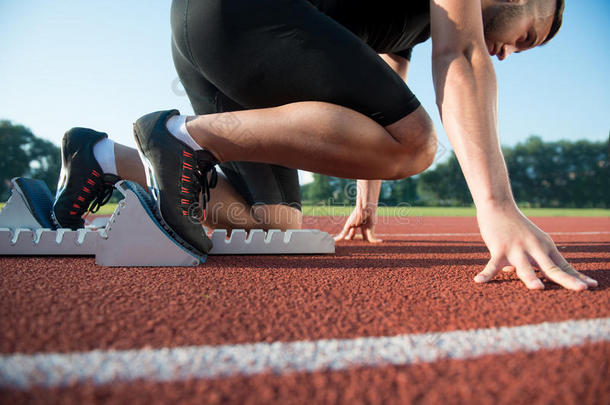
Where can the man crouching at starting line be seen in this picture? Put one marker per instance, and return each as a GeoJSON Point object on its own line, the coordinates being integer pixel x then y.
{"type": "Point", "coordinates": [320, 85]}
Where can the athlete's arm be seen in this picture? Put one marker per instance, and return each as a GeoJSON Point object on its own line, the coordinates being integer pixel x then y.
{"type": "Point", "coordinates": [364, 215]}
{"type": "Point", "coordinates": [466, 93]}
{"type": "Point", "coordinates": [466, 96]}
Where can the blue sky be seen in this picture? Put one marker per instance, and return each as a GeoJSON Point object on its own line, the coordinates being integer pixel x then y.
{"type": "Point", "coordinates": [103, 64]}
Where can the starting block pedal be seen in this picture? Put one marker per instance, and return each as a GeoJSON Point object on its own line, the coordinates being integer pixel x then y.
{"type": "Point", "coordinates": [29, 206]}
{"type": "Point", "coordinates": [26, 227]}
{"type": "Point", "coordinates": [135, 234]}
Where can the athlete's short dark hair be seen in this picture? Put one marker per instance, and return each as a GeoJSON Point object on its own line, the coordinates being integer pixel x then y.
{"type": "Point", "coordinates": [557, 20]}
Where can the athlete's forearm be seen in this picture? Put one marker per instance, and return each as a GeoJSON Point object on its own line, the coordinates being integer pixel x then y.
{"type": "Point", "coordinates": [466, 94]}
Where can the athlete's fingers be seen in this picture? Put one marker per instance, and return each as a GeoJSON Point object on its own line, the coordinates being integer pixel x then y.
{"type": "Point", "coordinates": [553, 272]}
{"type": "Point", "coordinates": [525, 271]}
{"type": "Point", "coordinates": [565, 266]}
{"type": "Point", "coordinates": [350, 233]}
{"type": "Point", "coordinates": [342, 234]}
{"type": "Point", "coordinates": [490, 270]}
{"type": "Point", "coordinates": [369, 236]}
{"type": "Point", "coordinates": [365, 234]}
{"type": "Point", "coordinates": [508, 269]}
{"type": "Point", "coordinates": [350, 223]}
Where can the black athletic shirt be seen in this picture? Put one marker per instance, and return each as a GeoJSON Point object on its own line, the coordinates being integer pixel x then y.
{"type": "Point", "coordinates": [387, 26]}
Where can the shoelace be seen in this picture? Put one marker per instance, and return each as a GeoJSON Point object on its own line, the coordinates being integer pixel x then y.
{"type": "Point", "coordinates": [197, 183]}
{"type": "Point", "coordinates": [207, 185]}
{"type": "Point", "coordinates": [102, 196]}
{"type": "Point", "coordinates": [206, 162]}
{"type": "Point", "coordinates": [95, 193]}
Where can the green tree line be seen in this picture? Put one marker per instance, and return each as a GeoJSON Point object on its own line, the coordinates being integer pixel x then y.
{"type": "Point", "coordinates": [24, 154]}
{"type": "Point", "coordinates": [543, 174]}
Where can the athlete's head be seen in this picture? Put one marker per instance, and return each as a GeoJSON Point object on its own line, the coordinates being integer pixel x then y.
{"type": "Point", "coordinates": [517, 25]}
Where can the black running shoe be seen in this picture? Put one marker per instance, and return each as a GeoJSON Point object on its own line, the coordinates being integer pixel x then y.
{"type": "Point", "coordinates": [177, 176]}
{"type": "Point", "coordinates": [82, 185]}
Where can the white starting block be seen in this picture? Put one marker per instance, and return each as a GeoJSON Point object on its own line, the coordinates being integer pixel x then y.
{"type": "Point", "coordinates": [135, 235]}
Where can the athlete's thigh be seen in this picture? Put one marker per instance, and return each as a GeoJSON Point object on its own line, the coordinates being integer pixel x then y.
{"type": "Point", "coordinates": [267, 53]}
{"type": "Point", "coordinates": [257, 183]}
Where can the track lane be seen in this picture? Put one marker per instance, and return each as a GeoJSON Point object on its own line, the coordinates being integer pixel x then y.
{"type": "Point", "coordinates": [407, 285]}
{"type": "Point", "coordinates": [50, 370]}
{"type": "Point", "coordinates": [576, 375]}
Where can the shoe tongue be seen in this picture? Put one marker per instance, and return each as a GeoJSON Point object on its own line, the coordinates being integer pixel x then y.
{"type": "Point", "coordinates": [110, 178]}
{"type": "Point", "coordinates": [205, 159]}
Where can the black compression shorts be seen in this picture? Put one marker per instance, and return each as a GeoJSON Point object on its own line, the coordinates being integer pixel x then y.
{"type": "Point", "coordinates": [245, 54]}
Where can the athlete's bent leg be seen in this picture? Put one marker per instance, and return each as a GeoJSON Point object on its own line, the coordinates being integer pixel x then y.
{"type": "Point", "coordinates": [319, 137]}
{"type": "Point", "coordinates": [312, 94]}
{"type": "Point", "coordinates": [415, 132]}
{"type": "Point", "coordinates": [227, 209]}
{"type": "Point", "coordinates": [128, 164]}
{"type": "Point", "coordinates": [278, 216]}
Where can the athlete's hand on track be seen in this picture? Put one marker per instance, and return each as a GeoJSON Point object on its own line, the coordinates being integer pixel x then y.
{"type": "Point", "coordinates": [363, 219]}
{"type": "Point", "coordinates": [516, 243]}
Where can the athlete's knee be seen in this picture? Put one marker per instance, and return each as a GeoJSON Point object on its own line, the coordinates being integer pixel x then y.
{"type": "Point", "coordinates": [417, 141]}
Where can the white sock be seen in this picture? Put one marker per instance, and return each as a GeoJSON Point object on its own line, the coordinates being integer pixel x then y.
{"type": "Point", "coordinates": [104, 154]}
{"type": "Point", "coordinates": [176, 126]}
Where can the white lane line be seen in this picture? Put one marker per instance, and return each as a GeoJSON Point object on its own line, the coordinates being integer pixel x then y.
{"type": "Point", "coordinates": [23, 371]}
{"type": "Point", "coordinates": [478, 234]}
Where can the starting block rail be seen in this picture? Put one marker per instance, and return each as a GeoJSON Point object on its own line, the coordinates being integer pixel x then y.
{"type": "Point", "coordinates": [47, 242]}
{"type": "Point", "coordinates": [134, 235]}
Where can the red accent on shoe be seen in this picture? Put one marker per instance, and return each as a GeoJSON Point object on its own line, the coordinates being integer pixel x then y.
{"type": "Point", "coordinates": [187, 154]}
{"type": "Point", "coordinates": [91, 182]}
{"type": "Point", "coordinates": [86, 190]}
{"type": "Point", "coordinates": [72, 212]}
{"type": "Point", "coordinates": [203, 214]}
{"type": "Point", "coordinates": [95, 173]}
{"type": "Point", "coordinates": [75, 205]}
{"type": "Point", "coordinates": [81, 199]}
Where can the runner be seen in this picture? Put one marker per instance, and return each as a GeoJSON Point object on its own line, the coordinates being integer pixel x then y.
{"type": "Point", "coordinates": [280, 85]}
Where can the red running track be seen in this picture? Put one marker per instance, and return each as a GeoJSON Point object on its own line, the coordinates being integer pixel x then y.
{"type": "Point", "coordinates": [412, 283]}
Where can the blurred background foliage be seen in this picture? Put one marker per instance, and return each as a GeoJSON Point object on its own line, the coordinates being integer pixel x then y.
{"type": "Point", "coordinates": [24, 154]}
{"type": "Point", "coordinates": [563, 174]}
